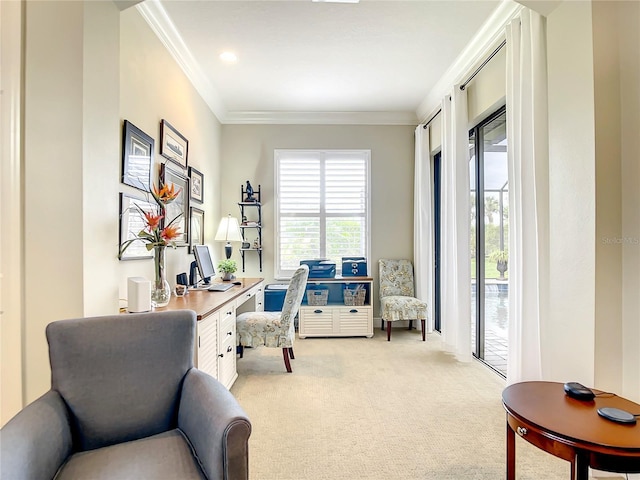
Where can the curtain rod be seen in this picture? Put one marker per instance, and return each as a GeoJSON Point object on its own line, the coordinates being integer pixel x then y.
{"type": "Point", "coordinates": [426, 124]}
{"type": "Point", "coordinates": [504, 42]}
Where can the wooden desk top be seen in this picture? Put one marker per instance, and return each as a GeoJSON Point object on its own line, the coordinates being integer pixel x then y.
{"type": "Point", "coordinates": [574, 422]}
{"type": "Point", "coordinates": [204, 303]}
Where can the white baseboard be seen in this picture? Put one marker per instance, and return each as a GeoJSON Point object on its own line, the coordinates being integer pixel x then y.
{"type": "Point", "coordinates": [598, 474]}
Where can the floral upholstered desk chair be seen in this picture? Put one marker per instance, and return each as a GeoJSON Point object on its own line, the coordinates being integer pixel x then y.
{"type": "Point", "coordinates": [397, 300]}
{"type": "Point", "coordinates": [274, 329]}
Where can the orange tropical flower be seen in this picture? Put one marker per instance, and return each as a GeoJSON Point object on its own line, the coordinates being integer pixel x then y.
{"type": "Point", "coordinates": [166, 194]}
{"type": "Point", "coordinates": [153, 221]}
{"type": "Point", "coordinates": [169, 233]}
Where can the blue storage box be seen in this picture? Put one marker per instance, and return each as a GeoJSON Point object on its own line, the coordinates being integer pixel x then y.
{"type": "Point", "coordinates": [274, 297]}
{"type": "Point", "coordinates": [320, 268]}
{"type": "Point", "coordinates": [354, 267]}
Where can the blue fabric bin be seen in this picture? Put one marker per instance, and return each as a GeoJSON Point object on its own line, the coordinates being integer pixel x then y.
{"type": "Point", "coordinates": [274, 297]}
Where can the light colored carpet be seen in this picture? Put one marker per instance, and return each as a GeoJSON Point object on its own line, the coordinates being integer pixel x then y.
{"type": "Point", "coordinates": [371, 409]}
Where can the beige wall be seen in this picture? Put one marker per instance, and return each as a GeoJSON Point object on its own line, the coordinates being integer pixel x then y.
{"type": "Point", "coordinates": [629, 39]}
{"type": "Point", "coordinates": [606, 60]}
{"type": "Point", "coordinates": [152, 88]}
{"type": "Point", "coordinates": [594, 82]}
{"type": "Point", "coordinates": [568, 335]}
{"type": "Point", "coordinates": [53, 167]}
{"type": "Point", "coordinates": [79, 87]}
{"type": "Point", "coordinates": [247, 152]}
{"type": "Point", "coordinates": [11, 189]}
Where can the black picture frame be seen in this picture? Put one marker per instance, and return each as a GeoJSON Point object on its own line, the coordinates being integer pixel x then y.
{"type": "Point", "coordinates": [173, 144]}
{"type": "Point", "coordinates": [180, 205]}
{"type": "Point", "coordinates": [131, 223]}
{"type": "Point", "coordinates": [196, 227]}
{"type": "Point", "coordinates": [196, 185]}
{"type": "Point", "coordinates": [137, 157]}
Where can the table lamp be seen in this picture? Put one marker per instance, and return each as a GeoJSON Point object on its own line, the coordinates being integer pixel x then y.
{"type": "Point", "coordinates": [228, 231]}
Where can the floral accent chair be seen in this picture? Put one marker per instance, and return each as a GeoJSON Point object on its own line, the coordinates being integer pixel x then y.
{"type": "Point", "coordinates": [274, 329]}
{"type": "Point", "coordinates": [397, 300]}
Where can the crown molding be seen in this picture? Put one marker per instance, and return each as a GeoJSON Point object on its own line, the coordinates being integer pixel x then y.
{"type": "Point", "coordinates": [157, 18]}
{"type": "Point", "coordinates": [322, 118]}
{"type": "Point", "coordinates": [483, 42]}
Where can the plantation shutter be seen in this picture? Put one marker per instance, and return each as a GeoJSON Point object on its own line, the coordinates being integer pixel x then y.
{"type": "Point", "coordinates": [322, 199]}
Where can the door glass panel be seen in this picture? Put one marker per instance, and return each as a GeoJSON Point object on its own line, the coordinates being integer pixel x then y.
{"type": "Point", "coordinates": [495, 241]}
{"type": "Point", "coordinates": [489, 228]}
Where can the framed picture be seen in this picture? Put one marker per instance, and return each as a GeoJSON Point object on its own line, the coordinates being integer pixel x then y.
{"type": "Point", "coordinates": [196, 227]}
{"type": "Point", "coordinates": [196, 181]}
{"type": "Point", "coordinates": [173, 146]}
{"type": "Point", "coordinates": [137, 157]}
{"type": "Point", "coordinates": [131, 223]}
{"type": "Point", "coordinates": [180, 206]}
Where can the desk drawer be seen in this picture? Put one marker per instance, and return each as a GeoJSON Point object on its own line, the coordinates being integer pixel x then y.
{"type": "Point", "coordinates": [535, 437]}
{"type": "Point", "coordinates": [227, 361]}
{"type": "Point", "coordinates": [315, 321]}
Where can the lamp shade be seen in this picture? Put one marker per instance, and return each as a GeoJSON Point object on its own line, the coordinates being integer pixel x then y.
{"type": "Point", "coordinates": [229, 230]}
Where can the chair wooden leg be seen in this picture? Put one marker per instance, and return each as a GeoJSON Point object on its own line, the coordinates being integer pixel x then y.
{"type": "Point", "coordinates": [424, 330]}
{"type": "Point", "coordinates": [388, 331]}
{"type": "Point", "coordinates": [285, 355]}
{"type": "Point", "coordinates": [410, 325]}
{"type": "Point", "coordinates": [291, 353]}
{"type": "Point", "coordinates": [382, 324]}
{"type": "Point", "coordinates": [240, 350]}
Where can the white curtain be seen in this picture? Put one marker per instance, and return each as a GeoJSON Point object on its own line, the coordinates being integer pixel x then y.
{"type": "Point", "coordinates": [527, 139]}
{"type": "Point", "coordinates": [423, 222]}
{"type": "Point", "coordinates": [456, 259]}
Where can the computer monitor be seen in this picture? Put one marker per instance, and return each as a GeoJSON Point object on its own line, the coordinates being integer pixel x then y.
{"type": "Point", "coordinates": [203, 262]}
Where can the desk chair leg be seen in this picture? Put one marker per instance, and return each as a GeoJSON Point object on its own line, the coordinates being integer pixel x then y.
{"type": "Point", "coordinates": [240, 350]}
{"type": "Point", "coordinates": [410, 325]}
{"type": "Point", "coordinates": [285, 355]}
{"type": "Point", "coordinates": [382, 324]}
{"type": "Point", "coordinates": [388, 331]}
{"type": "Point", "coordinates": [423, 322]}
{"type": "Point", "coordinates": [291, 353]}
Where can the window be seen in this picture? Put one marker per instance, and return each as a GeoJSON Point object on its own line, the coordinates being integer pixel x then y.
{"type": "Point", "coordinates": [322, 206]}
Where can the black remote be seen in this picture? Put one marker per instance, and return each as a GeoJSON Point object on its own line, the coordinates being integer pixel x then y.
{"type": "Point", "coordinates": [578, 391]}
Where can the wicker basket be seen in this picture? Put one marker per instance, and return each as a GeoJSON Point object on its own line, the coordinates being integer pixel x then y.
{"type": "Point", "coordinates": [317, 297]}
{"type": "Point", "coordinates": [354, 297]}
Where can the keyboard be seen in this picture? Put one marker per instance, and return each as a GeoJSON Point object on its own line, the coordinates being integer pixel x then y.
{"type": "Point", "coordinates": [220, 287]}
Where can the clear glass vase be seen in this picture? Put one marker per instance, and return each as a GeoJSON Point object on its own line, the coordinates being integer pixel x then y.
{"type": "Point", "coordinates": [160, 290]}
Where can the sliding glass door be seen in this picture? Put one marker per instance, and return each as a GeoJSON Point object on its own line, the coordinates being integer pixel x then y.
{"type": "Point", "coordinates": [489, 194]}
{"type": "Point", "coordinates": [437, 190]}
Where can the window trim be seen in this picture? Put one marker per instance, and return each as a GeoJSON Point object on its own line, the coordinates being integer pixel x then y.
{"type": "Point", "coordinates": [283, 152]}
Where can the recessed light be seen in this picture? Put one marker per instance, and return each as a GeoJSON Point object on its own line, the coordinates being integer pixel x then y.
{"type": "Point", "coordinates": [228, 57]}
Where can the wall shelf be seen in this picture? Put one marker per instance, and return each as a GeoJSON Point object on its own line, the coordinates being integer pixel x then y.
{"type": "Point", "coordinates": [251, 224]}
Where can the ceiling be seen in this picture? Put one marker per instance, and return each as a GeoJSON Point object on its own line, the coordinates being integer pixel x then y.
{"type": "Point", "coordinates": [302, 59]}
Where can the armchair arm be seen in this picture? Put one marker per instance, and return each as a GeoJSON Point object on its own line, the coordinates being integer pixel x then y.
{"type": "Point", "coordinates": [216, 426]}
{"type": "Point", "coordinates": [36, 442]}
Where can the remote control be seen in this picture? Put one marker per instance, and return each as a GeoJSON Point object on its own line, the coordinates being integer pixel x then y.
{"type": "Point", "coordinates": [578, 391]}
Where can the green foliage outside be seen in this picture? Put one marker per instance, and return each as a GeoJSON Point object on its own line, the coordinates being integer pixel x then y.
{"type": "Point", "coordinates": [490, 270]}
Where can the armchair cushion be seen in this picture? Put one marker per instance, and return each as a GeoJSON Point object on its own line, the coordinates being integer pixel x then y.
{"type": "Point", "coordinates": [166, 455]}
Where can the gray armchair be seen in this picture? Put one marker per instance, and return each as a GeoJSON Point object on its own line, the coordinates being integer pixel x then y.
{"type": "Point", "coordinates": [126, 403]}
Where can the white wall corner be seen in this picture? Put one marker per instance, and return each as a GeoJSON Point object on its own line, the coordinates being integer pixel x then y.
{"type": "Point", "coordinates": [159, 21]}
{"type": "Point", "coordinates": [483, 42]}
